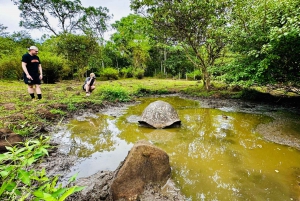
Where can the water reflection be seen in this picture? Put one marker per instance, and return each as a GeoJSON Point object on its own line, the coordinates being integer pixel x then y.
{"type": "Point", "coordinates": [215, 155]}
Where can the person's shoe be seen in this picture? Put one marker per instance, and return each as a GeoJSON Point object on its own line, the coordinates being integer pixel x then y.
{"type": "Point", "coordinates": [88, 94]}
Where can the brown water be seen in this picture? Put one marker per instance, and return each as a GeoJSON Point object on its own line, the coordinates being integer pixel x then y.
{"type": "Point", "coordinates": [215, 155]}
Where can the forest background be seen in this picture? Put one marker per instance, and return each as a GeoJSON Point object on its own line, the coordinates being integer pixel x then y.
{"type": "Point", "coordinates": [237, 42]}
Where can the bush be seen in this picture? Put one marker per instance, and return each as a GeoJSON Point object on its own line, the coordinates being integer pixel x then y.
{"type": "Point", "coordinates": [109, 73]}
{"type": "Point", "coordinates": [139, 73]}
{"type": "Point", "coordinates": [197, 75]}
{"type": "Point", "coordinates": [21, 182]}
{"type": "Point", "coordinates": [114, 93]}
{"type": "Point", "coordinates": [160, 75]}
{"type": "Point", "coordinates": [10, 67]}
{"type": "Point", "coordinates": [127, 72]}
{"type": "Point", "coordinates": [54, 67]}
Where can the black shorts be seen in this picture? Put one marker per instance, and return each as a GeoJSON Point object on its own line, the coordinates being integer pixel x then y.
{"type": "Point", "coordinates": [36, 80]}
{"type": "Point", "coordinates": [83, 87]}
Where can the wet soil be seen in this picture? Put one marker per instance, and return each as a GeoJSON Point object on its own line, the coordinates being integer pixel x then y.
{"type": "Point", "coordinates": [97, 185]}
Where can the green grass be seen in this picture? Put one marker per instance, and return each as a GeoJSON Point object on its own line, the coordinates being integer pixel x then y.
{"type": "Point", "coordinates": [67, 96]}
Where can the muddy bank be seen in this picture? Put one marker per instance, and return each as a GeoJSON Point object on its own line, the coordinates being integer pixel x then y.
{"type": "Point", "coordinates": [98, 184]}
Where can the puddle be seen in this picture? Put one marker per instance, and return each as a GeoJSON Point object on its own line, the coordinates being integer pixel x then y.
{"type": "Point", "coordinates": [217, 154]}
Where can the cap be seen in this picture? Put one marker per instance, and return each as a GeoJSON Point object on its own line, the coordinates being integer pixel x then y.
{"type": "Point", "coordinates": [33, 48]}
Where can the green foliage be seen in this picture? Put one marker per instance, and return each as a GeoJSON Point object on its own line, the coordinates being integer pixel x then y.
{"type": "Point", "coordinates": [181, 21]}
{"type": "Point", "coordinates": [72, 107]}
{"type": "Point", "coordinates": [54, 67]}
{"type": "Point", "coordinates": [109, 73]}
{"type": "Point", "coordinates": [268, 43]}
{"type": "Point", "coordinates": [77, 49]}
{"type": "Point", "coordinates": [114, 94]}
{"type": "Point", "coordinates": [23, 128]}
{"type": "Point", "coordinates": [56, 111]}
{"type": "Point", "coordinates": [126, 72]}
{"type": "Point", "coordinates": [195, 75]}
{"type": "Point", "coordinates": [160, 75]}
{"type": "Point", "coordinates": [10, 67]}
{"type": "Point", "coordinates": [138, 73]}
{"type": "Point", "coordinates": [132, 39]}
{"type": "Point", "coordinates": [20, 182]}
{"type": "Point", "coordinates": [66, 17]}
{"type": "Point", "coordinates": [10, 58]}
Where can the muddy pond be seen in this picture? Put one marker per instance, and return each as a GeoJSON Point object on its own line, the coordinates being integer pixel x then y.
{"type": "Point", "coordinates": [216, 154]}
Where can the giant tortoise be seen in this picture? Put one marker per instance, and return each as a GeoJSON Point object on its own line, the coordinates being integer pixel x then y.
{"type": "Point", "coordinates": [159, 114]}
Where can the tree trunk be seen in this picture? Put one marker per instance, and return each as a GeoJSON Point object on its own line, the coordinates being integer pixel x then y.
{"type": "Point", "coordinates": [206, 79]}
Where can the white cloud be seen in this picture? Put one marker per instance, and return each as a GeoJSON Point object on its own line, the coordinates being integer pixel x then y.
{"type": "Point", "coordinates": [10, 14]}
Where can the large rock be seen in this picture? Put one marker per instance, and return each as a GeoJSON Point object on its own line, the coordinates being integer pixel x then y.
{"type": "Point", "coordinates": [144, 164]}
{"type": "Point", "coordinates": [8, 138]}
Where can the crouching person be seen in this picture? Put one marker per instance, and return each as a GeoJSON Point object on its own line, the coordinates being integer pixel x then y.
{"type": "Point", "coordinates": [89, 84]}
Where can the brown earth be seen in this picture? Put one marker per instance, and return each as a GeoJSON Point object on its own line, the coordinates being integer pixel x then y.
{"type": "Point", "coordinates": [98, 185]}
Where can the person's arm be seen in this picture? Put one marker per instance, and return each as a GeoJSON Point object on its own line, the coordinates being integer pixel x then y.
{"type": "Point", "coordinates": [25, 70]}
{"type": "Point", "coordinates": [41, 71]}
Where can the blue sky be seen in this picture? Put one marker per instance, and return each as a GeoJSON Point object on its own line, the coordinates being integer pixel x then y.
{"type": "Point", "coordinates": [10, 15]}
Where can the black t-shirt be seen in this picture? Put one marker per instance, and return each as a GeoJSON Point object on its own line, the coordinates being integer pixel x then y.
{"type": "Point", "coordinates": [32, 62]}
{"type": "Point", "coordinates": [88, 79]}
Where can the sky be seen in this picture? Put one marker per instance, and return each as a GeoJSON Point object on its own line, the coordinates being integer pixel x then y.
{"type": "Point", "coordinates": [10, 14]}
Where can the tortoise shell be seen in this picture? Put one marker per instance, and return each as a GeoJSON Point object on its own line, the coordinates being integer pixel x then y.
{"type": "Point", "coordinates": [159, 114]}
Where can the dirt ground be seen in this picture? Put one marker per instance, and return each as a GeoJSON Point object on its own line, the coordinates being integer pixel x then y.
{"type": "Point", "coordinates": [97, 185]}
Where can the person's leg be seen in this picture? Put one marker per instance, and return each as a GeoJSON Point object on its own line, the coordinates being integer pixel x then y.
{"type": "Point", "coordinates": [38, 91]}
{"type": "Point", "coordinates": [30, 90]}
{"type": "Point", "coordinates": [92, 88]}
{"type": "Point", "coordinates": [87, 89]}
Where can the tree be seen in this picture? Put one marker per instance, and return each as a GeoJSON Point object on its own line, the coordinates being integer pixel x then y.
{"type": "Point", "coordinates": [94, 21]}
{"type": "Point", "coordinates": [22, 38]}
{"type": "Point", "coordinates": [70, 16]}
{"type": "Point", "coordinates": [265, 35]}
{"type": "Point", "coordinates": [2, 31]}
{"type": "Point", "coordinates": [77, 49]}
{"type": "Point", "coordinates": [132, 38]}
{"type": "Point", "coordinates": [195, 24]}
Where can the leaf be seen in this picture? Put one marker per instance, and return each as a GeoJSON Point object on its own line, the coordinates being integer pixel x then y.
{"type": "Point", "coordinates": [24, 176]}
{"type": "Point", "coordinates": [68, 193]}
{"type": "Point", "coordinates": [9, 148]}
{"type": "Point", "coordinates": [30, 161]}
{"type": "Point", "coordinates": [3, 188]}
{"type": "Point", "coordinates": [11, 186]}
{"type": "Point", "coordinates": [73, 178]}
{"type": "Point", "coordinates": [4, 173]}
{"type": "Point", "coordinates": [20, 150]}
{"type": "Point", "coordinates": [54, 181]}
{"type": "Point", "coordinates": [3, 157]}
{"type": "Point", "coordinates": [59, 192]}
{"type": "Point", "coordinates": [38, 193]}
{"type": "Point", "coordinates": [79, 188]}
{"type": "Point", "coordinates": [44, 196]}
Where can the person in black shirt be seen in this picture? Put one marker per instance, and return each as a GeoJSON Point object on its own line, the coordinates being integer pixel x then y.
{"type": "Point", "coordinates": [89, 84]}
{"type": "Point", "coordinates": [33, 73]}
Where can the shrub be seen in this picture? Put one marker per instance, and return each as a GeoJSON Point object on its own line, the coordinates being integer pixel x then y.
{"type": "Point", "coordinates": [114, 93]}
{"type": "Point", "coordinates": [109, 73]}
{"type": "Point", "coordinates": [54, 67]}
{"type": "Point", "coordinates": [197, 75]}
{"type": "Point", "coordinates": [21, 182]}
{"type": "Point", "coordinates": [139, 73]}
{"type": "Point", "coordinates": [10, 67]}
{"type": "Point", "coordinates": [127, 72]}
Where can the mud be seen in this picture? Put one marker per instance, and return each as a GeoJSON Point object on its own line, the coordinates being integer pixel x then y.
{"type": "Point", "coordinates": [97, 185]}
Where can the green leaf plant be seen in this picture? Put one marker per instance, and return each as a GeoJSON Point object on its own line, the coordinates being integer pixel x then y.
{"type": "Point", "coordinates": [21, 181]}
